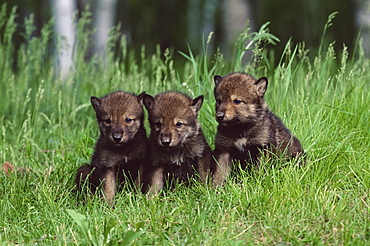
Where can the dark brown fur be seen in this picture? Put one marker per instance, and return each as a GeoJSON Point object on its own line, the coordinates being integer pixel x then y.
{"type": "Point", "coordinates": [246, 125]}
{"type": "Point", "coordinates": [178, 148]}
{"type": "Point", "coordinates": [121, 148]}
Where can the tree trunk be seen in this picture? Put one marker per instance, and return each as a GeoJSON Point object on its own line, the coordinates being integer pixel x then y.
{"type": "Point", "coordinates": [236, 13]}
{"type": "Point", "coordinates": [103, 21]}
{"type": "Point", "coordinates": [63, 11]}
{"type": "Point", "coordinates": [363, 23]}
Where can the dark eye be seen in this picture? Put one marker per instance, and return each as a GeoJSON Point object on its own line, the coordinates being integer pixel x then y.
{"type": "Point", "coordinates": [179, 124]}
{"type": "Point", "coordinates": [218, 101]}
{"type": "Point", "coordinates": [158, 124]}
{"type": "Point", "coordinates": [107, 121]}
{"type": "Point", "coordinates": [236, 101]}
{"type": "Point", "coordinates": [128, 120]}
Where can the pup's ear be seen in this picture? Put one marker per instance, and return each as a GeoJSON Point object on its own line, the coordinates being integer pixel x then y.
{"type": "Point", "coordinates": [217, 79]}
{"type": "Point", "coordinates": [95, 102]}
{"type": "Point", "coordinates": [140, 97]}
{"type": "Point", "coordinates": [148, 101]}
{"type": "Point", "coordinates": [196, 104]}
{"type": "Point", "coordinates": [261, 85]}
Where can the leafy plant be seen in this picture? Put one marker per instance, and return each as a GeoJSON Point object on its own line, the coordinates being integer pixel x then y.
{"type": "Point", "coordinates": [253, 41]}
{"type": "Point", "coordinates": [96, 238]}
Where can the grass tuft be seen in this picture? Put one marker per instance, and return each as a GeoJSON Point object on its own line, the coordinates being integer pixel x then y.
{"type": "Point", "coordinates": [48, 129]}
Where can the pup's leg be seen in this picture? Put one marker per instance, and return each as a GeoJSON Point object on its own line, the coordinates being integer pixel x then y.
{"type": "Point", "coordinates": [139, 181]}
{"type": "Point", "coordinates": [110, 185]}
{"type": "Point", "coordinates": [156, 182]}
{"type": "Point", "coordinates": [222, 168]}
{"type": "Point", "coordinates": [85, 178]}
{"type": "Point", "coordinates": [204, 167]}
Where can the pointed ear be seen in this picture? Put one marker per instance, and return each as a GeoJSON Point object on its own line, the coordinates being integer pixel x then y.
{"type": "Point", "coordinates": [217, 79]}
{"type": "Point", "coordinates": [140, 97]}
{"type": "Point", "coordinates": [197, 103]}
{"type": "Point", "coordinates": [96, 103]}
{"type": "Point", "coordinates": [148, 101]}
{"type": "Point", "coordinates": [261, 85]}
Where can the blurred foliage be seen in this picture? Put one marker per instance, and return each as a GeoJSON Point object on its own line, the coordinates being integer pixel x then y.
{"type": "Point", "coordinates": [179, 23]}
{"type": "Point", "coordinates": [304, 21]}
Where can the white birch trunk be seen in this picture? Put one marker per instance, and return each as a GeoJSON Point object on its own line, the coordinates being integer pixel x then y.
{"type": "Point", "coordinates": [63, 10]}
{"type": "Point", "coordinates": [209, 17]}
{"type": "Point", "coordinates": [363, 21]}
{"type": "Point", "coordinates": [235, 16]}
{"type": "Point", "coordinates": [104, 15]}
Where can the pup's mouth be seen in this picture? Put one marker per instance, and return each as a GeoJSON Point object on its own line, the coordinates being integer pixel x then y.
{"type": "Point", "coordinates": [168, 144]}
{"type": "Point", "coordinates": [118, 139]}
{"type": "Point", "coordinates": [226, 121]}
{"type": "Point", "coordinates": [221, 117]}
{"type": "Point", "coordinates": [117, 144]}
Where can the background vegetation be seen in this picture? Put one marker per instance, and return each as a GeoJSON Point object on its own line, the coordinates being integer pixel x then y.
{"type": "Point", "coordinates": [48, 130]}
{"type": "Point", "coordinates": [174, 23]}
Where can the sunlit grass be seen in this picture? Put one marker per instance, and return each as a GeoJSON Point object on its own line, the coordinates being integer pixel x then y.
{"type": "Point", "coordinates": [48, 130]}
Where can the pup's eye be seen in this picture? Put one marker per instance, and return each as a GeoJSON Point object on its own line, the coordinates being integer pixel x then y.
{"type": "Point", "coordinates": [236, 101]}
{"type": "Point", "coordinates": [158, 124]}
{"type": "Point", "coordinates": [107, 121]}
{"type": "Point", "coordinates": [218, 100]}
{"type": "Point", "coordinates": [128, 120]}
{"type": "Point", "coordinates": [179, 124]}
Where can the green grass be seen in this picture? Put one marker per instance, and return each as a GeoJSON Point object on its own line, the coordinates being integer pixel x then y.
{"type": "Point", "coordinates": [48, 126]}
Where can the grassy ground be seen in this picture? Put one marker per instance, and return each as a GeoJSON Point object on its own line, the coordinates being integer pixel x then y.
{"type": "Point", "coordinates": [48, 129]}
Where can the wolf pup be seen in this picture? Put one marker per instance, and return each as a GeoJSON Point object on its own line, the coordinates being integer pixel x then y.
{"type": "Point", "coordinates": [121, 148]}
{"type": "Point", "coordinates": [246, 125]}
{"type": "Point", "coordinates": [178, 148]}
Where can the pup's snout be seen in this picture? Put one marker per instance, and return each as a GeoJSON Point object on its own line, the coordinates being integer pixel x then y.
{"type": "Point", "coordinates": [117, 137]}
{"type": "Point", "coordinates": [220, 116]}
{"type": "Point", "coordinates": [165, 141]}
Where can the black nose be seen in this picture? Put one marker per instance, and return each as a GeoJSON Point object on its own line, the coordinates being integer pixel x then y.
{"type": "Point", "coordinates": [220, 116]}
{"type": "Point", "coordinates": [117, 137]}
{"type": "Point", "coordinates": [165, 141]}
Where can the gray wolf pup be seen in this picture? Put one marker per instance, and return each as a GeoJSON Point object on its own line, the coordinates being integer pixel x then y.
{"type": "Point", "coordinates": [120, 151]}
{"type": "Point", "coordinates": [178, 148]}
{"type": "Point", "coordinates": [246, 126]}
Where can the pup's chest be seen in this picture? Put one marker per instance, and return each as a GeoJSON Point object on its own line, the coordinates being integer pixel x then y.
{"type": "Point", "coordinates": [241, 143]}
{"type": "Point", "coordinates": [175, 160]}
{"type": "Point", "coordinates": [110, 159]}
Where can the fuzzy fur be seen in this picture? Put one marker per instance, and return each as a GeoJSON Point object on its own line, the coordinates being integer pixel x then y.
{"type": "Point", "coordinates": [247, 127]}
{"type": "Point", "coordinates": [178, 148]}
{"type": "Point", "coordinates": [120, 152]}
